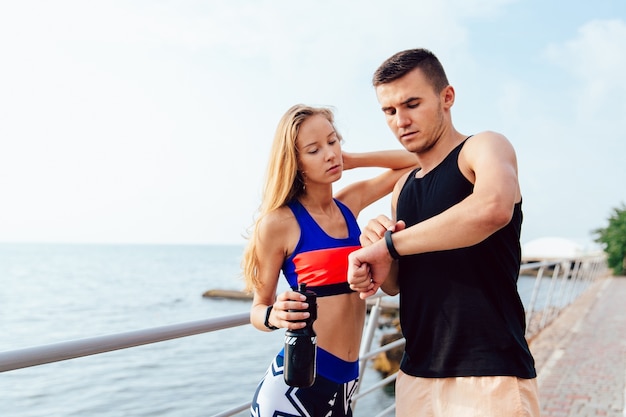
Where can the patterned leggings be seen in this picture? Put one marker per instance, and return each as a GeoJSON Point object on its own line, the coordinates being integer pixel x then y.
{"type": "Point", "coordinates": [326, 398]}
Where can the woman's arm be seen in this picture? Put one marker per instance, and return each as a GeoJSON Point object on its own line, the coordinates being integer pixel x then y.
{"type": "Point", "coordinates": [361, 194]}
{"type": "Point", "coordinates": [274, 235]}
{"type": "Point", "coordinates": [392, 159]}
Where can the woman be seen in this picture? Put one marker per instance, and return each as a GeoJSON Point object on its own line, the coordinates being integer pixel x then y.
{"type": "Point", "coordinates": [307, 233]}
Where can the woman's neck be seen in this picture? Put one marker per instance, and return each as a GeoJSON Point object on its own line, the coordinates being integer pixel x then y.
{"type": "Point", "coordinates": [318, 201]}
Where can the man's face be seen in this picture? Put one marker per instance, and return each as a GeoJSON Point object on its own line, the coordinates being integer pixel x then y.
{"type": "Point", "coordinates": [413, 111]}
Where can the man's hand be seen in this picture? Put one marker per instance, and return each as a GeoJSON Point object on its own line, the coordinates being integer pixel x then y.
{"type": "Point", "coordinates": [375, 230]}
{"type": "Point", "coordinates": [368, 268]}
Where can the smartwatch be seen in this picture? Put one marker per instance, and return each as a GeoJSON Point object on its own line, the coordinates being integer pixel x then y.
{"type": "Point", "coordinates": [267, 319]}
{"type": "Point", "coordinates": [392, 249]}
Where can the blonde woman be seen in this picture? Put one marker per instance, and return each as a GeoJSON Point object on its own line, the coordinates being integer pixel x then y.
{"type": "Point", "coordinates": [306, 231]}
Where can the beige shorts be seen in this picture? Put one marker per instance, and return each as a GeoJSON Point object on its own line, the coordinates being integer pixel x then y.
{"type": "Point", "coordinates": [489, 396]}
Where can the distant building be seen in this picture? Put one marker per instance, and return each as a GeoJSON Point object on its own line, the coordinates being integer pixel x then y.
{"type": "Point", "coordinates": [554, 248]}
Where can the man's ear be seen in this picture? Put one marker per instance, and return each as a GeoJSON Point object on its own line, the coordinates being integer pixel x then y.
{"type": "Point", "coordinates": [447, 96]}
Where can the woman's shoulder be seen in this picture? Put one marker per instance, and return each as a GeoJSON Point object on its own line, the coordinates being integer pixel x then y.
{"type": "Point", "coordinates": [278, 220]}
{"type": "Point", "coordinates": [279, 229]}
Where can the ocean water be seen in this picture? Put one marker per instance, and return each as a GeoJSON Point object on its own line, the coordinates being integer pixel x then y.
{"type": "Point", "coordinates": [52, 293]}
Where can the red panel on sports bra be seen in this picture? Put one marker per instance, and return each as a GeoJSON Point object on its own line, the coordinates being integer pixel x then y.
{"type": "Point", "coordinates": [323, 266]}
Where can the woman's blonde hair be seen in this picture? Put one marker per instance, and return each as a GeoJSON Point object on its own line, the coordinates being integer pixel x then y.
{"type": "Point", "coordinates": [284, 182]}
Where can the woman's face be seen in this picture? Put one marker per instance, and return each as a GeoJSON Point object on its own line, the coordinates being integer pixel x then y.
{"type": "Point", "coordinates": [319, 151]}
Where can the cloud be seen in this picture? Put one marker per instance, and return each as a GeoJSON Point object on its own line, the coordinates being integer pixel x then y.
{"type": "Point", "coordinates": [139, 120]}
{"type": "Point", "coordinates": [597, 59]}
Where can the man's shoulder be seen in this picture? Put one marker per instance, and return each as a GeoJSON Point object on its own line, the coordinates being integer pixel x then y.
{"type": "Point", "coordinates": [487, 140]}
{"type": "Point", "coordinates": [486, 151]}
{"type": "Point", "coordinates": [488, 135]}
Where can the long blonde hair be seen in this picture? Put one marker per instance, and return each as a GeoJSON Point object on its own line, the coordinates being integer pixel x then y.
{"type": "Point", "coordinates": [284, 182]}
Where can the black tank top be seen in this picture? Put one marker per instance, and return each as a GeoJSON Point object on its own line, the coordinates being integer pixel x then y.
{"type": "Point", "coordinates": [459, 309]}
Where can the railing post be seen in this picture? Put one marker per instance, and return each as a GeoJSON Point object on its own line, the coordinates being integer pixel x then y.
{"type": "Point", "coordinates": [533, 298]}
{"type": "Point", "coordinates": [553, 280]}
{"type": "Point", "coordinates": [573, 282]}
{"type": "Point", "coordinates": [366, 343]}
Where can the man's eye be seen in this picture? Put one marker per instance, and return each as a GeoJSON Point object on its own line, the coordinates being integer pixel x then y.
{"type": "Point", "coordinates": [390, 112]}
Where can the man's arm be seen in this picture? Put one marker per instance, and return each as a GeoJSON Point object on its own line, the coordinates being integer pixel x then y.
{"type": "Point", "coordinates": [488, 160]}
{"type": "Point", "coordinates": [373, 232]}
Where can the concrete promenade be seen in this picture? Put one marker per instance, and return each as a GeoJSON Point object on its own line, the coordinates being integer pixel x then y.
{"type": "Point", "coordinates": [581, 356]}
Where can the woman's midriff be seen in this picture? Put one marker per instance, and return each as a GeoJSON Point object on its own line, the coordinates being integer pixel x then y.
{"type": "Point", "coordinates": [339, 325]}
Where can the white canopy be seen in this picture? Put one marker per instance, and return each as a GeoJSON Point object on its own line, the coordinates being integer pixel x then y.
{"type": "Point", "coordinates": [551, 248]}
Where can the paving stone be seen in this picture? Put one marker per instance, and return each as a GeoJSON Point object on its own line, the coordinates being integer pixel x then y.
{"type": "Point", "coordinates": [581, 356]}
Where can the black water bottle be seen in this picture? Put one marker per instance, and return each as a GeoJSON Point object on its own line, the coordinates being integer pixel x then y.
{"type": "Point", "coordinates": [301, 347]}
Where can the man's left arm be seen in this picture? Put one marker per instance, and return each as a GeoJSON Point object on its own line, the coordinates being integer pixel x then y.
{"type": "Point", "coordinates": [488, 161]}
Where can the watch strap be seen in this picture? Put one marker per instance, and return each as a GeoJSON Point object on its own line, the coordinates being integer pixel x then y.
{"type": "Point", "coordinates": [392, 249]}
{"type": "Point", "coordinates": [267, 319]}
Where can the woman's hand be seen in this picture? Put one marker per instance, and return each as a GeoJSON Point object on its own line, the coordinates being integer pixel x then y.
{"type": "Point", "coordinates": [286, 311]}
{"type": "Point", "coordinates": [348, 160]}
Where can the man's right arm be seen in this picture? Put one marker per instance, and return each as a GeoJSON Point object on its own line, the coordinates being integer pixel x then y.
{"type": "Point", "coordinates": [375, 231]}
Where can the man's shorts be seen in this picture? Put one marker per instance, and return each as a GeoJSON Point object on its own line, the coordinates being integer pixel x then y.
{"type": "Point", "coordinates": [485, 396]}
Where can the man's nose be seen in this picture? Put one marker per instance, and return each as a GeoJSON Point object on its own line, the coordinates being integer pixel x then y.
{"type": "Point", "coordinates": [402, 119]}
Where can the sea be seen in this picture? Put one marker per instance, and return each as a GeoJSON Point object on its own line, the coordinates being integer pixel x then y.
{"type": "Point", "coordinates": [58, 292]}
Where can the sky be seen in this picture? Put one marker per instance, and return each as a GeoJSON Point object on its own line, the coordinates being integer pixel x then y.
{"type": "Point", "coordinates": [151, 121]}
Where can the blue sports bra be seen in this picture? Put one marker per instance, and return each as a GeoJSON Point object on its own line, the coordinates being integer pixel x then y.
{"type": "Point", "coordinates": [319, 260]}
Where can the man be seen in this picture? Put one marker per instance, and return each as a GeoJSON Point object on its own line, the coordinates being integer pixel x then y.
{"type": "Point", "coordinates": [452, 252]}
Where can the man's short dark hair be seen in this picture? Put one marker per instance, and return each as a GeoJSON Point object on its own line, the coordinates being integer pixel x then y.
{"type": "Point", "coordinates": [400, 64]}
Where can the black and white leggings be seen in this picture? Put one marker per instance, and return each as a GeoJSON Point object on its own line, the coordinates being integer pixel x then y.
{"type": "Point", "coordinates": [325, 398]}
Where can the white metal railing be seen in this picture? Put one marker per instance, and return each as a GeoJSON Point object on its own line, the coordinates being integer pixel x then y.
{"type": "Point", "coordinates": [39, 355]}
{"type": "Point", "coordinates": [569, 279]}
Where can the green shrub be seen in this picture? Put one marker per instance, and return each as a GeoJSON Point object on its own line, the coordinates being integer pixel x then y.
{"type": "Point", "coordinates": [613, 240]}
